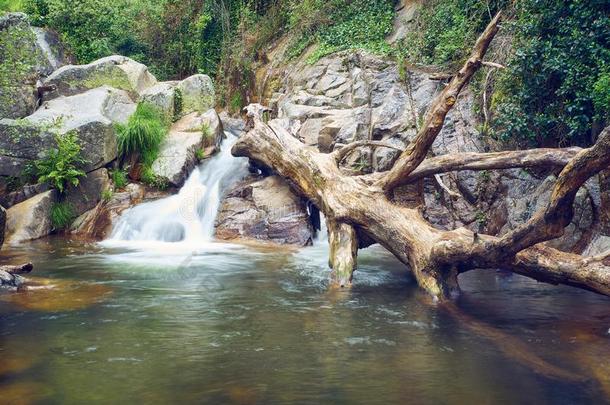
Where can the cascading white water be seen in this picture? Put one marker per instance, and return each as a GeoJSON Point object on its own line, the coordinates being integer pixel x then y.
{"type": "Point", "coordinates": [189, 215]}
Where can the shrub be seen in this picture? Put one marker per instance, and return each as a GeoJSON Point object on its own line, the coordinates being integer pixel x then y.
{"type": "Point", "coordinates": [60, 168]}
{"type": "Point", "coordinates": [340, 24]}
{"type": "Point", "coordinates": [555, 90]}
{"type": "Point", "coordinates": [62, 215]}
{"type": "Point", "coordinates": [119, 178]}
{"type": "Point", "coordinates": [200, 154]}
{"type": "Point", "coordinates": [178, 104]}
{"type": "Point", "coordinates": [145, 131]}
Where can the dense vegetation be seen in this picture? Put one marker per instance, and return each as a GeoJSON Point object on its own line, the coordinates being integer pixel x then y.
{"type": "Point", "coordinates": [555, 89]}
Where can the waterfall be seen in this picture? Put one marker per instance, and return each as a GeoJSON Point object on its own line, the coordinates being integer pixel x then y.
{"type": "Point", "coordinates": [189, 215]}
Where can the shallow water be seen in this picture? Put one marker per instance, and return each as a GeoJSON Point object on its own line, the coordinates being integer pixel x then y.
{"type": "Point", "coordinates": [216, 323]}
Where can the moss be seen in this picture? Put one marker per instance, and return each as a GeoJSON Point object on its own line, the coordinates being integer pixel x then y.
{"type": "Point", "coordinates": [112, 77]}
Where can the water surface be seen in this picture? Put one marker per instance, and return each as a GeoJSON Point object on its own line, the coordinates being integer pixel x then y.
{"type": "Point", "coordinates": [216, 323]}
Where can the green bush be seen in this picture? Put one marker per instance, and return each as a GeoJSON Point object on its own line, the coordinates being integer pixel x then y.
{"type": "Point", "coordinates": [62, 215]}
{"type": "Point", "coordinates": [60, 168]}
{"type": "Point", "coordinates": [142, 136]}
{"type": "Point", "coordinates": [557, 85]}
{"type": "Point", "coordinates": [107, 195]}
{"type": "Point", "coordinates": [11, 5]}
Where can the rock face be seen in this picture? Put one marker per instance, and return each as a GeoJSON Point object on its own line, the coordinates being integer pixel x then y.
{"type": "Point", "coordinates": [98, 222]}
{"type": "Point", "coordinates": [26, 55]}
{"type": "Point", "coordinates": [264, 209]}
{"type": "Point", "coordinates": [89, 191]}
{"type": "Point", "coordinates": [115, 71]}
{"type": "Point", "coordinates": [92, 115]}
{"type": "Point", "coordinates": [179, 152]}
{"type": "Point", "coordinates": [30, 219]}
{"type": "Point", "coordinates": [352, 96]}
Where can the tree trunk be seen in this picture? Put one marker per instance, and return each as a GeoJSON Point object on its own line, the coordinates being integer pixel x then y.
{"type": "Point", "coordinates": [363, 205]}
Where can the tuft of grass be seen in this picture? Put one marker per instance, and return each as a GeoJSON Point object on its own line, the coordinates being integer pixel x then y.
{"type": "Point", "coordinates": [148, 177]}
{"type": "Point", "coordinates": [119, 178]}
{"type": "Point", "coordinates": [143, 134]}
{"type": "Point", "coordinates": [200, 154]}
{"type": "Point", "coordinates": [107, 195]}
{"type": "Point", "coordinates": [62, 215]}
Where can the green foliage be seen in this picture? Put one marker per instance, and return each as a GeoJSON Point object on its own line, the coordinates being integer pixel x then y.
{"type": "Point", "coordinates": [119, 178]}
{"type": "Point", "coordinates": [206, 131]}
{"type": "Point", "coordinates": [340, 24]}
{"type": "Point", "coordinates": [143, 134]}
{"type": "Point", "coordinates": [200, 154]}
{"type": "Point", "coordinates": [556, 88]}
{"type": "Point", "coordinates": [445, 30]}
{"type": "Point", "coordinates": [107, 195]}
{"type": "Point", "coordinates": [60, 168]}
{"type": "Point", "coordinates": [11, 5]}
{"type": "Point", "coordinates": [62, 215]}
{"type": "Point", "coordinates": [150, 178]}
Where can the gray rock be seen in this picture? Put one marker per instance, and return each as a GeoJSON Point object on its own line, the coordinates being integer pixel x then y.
{"type": "Point", "coordinates": [30, 219]}
{"type": "Point", "coordinates": [197, 94]}
{"type": "Point", "coordinates": [178, 154]}
{"type": "Point", "coordinates": [98, 223]}
{"type": "Point", "coordinates": [234, 125]}
{"type": "Point", "coordinates": [9, 281]}
{"type": "Point", "coordinates": [89, 191]}
{"type": "Point", "coordinates": [92, 115]}
{"type": "Point", "coordinates": [264, 210]}
{"type": "Point", "coordinates": [161, 95]}
{"type": "Point", "coordinates": [115, 71]}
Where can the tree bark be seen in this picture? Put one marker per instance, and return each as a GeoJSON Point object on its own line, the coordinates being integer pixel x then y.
{"type": "Point", "coordinates": [362, 205]}
{"type": "Point", "coordinates": [343, 252]}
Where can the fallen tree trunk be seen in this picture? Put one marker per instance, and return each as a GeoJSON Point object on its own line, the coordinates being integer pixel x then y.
{"type": "Point", "coordinates": [362, 205]}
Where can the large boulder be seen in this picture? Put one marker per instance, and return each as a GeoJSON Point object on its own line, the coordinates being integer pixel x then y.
{"type": "Point", "coordinates": [119, 72]}
{"type": "Point", "coordinates": [26, 55]}
{"type": "Point", "coordinates": [179, 152]}
{"type": "Point", "coordinates": [92, 115]}
{"type": "Point", "coordinates": [162, 96]}
{"type": "Point", "coordinates": [30, 219]}
{"type": "Point", "coordinates": [264, 210]}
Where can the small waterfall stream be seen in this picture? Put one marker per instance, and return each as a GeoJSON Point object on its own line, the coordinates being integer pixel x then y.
{"type": "Point", "coordinates": [189, 215]}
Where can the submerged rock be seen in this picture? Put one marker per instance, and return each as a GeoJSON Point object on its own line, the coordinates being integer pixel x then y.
{"type": "Point", "coordinates": [265, 210]}
{"type": "Point", "coordinates": [192, 137]}
{"type": "Point", "coordinates": [119, 72]}
{"type": "Point", "coordinates": [30, 219]}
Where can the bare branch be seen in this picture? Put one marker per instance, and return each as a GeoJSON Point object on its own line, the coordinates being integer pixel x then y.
{"type": "Point", "coordinates": [546, 158]}
{"type": "Point", "coordinates": [444, 102]}
{"type": "Point", "coordinates": [451, 193]}
{"type": "Point", "coordinates": [550, 221]}
{"type": "Point", "coordinates": [493, 65]}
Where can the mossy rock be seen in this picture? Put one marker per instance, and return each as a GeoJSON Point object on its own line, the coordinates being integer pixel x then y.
{"type": "Point", "coordinates": [114, 71]}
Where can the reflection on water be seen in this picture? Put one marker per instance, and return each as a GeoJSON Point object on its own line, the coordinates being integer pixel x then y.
{"type": "Point", "coordinates": [216, 323]}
